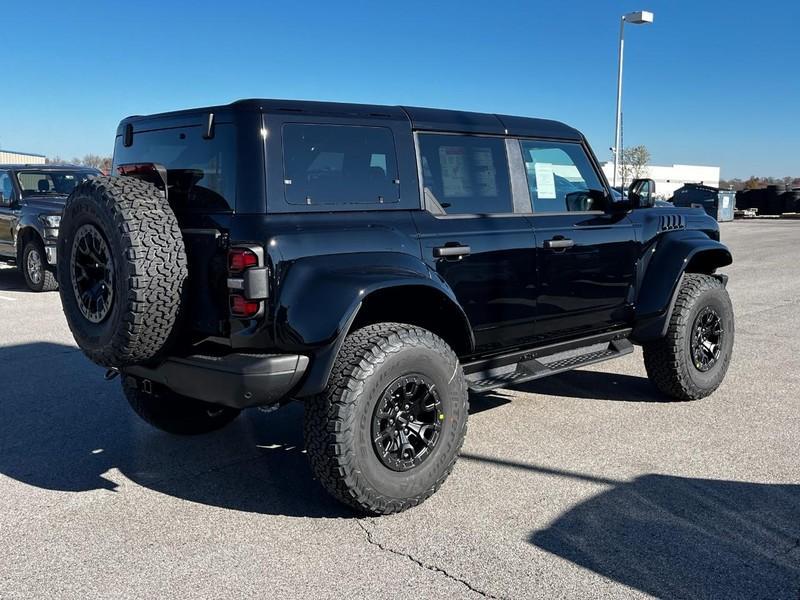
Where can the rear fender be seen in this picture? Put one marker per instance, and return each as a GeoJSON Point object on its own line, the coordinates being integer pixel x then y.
{"type": "Point", "coordinates": [673, 255]}
{"type": "Point", "coordinates": [320, 297]}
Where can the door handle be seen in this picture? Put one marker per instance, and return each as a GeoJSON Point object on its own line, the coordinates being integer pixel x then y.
{"type": "Point", "coordinates": [451, 251]}
{"type": "Point", "coordinates": [559, 243]}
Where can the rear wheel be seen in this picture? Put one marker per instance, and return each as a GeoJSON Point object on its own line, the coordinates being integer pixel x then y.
{"type": "Point", "coordinates": [386, 432]}
{"type": "Point", "coordinates": [38, 276]}
{"type": "Point", "coordinates": [173, 413]}
{"type": "Point", "coordinates": [690, 362]}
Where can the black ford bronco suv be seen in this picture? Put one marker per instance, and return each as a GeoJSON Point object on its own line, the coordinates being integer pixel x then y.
{"type": "Point", "coordinates": [376, 262]}
{"type": "Point", "coordinates": [31, 200]}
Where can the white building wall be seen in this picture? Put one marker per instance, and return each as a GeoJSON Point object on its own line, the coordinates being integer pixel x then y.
{"type": "Point", "coordinates": [10, 157]}
{"type": "Point", "coordinates": [670, 178]}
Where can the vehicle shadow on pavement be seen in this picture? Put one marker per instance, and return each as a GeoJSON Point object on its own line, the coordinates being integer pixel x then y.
{"type": "Point", "coordinates": [681, 537]}
{"type": "Point", "coordinates": [11, 280]}
{"type": "Point", "coordinates": [66, 429]}
{"type": "Point", "coordinates": [594, 385]}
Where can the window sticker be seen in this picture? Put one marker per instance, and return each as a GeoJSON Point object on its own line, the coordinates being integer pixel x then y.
{"type": "Point", "coordinates": [545, 182]}
{"type": "Point", "coordinates": [455, 177]}
{"type": "Point", "coordinates": [485, 174]}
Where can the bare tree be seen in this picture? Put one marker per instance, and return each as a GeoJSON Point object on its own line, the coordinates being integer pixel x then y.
{"type": "Point", "coordinates": [634, 163]}
{"type": "Point", "coordinates": [92, 160]}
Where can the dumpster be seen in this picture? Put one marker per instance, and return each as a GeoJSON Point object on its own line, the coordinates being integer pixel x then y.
{"type": "Point", "coordinates": [726, 205]}
{"type": "Point", "coordinates": [719, 204]}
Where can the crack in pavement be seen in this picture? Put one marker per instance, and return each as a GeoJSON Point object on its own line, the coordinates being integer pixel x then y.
{"type": "Point", "coordinates": [371, 540]}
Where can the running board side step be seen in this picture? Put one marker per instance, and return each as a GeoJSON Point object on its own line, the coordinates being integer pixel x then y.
{"type": "Point", "coordinates": [545, 365]}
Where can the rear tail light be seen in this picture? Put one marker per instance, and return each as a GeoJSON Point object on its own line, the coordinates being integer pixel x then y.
{"type": "Point", "coordinates": [247, 281]}
{"type": "Point", "coordinates": [243, 308]}
{"type": "Point", "coordinates": [240, 259]}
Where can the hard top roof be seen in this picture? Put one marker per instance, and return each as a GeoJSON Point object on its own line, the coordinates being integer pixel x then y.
{"type": "Point", "coordinates": [432, 119]}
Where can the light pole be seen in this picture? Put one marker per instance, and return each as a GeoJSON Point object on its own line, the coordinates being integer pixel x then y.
{"type": "Point", "coordinates": [640, 17]}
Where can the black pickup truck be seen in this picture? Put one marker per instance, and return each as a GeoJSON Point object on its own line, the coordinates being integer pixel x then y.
{"type": "Point", "coordinates": [376, 262]}
{"type": "Point", "coordinates": [31, 200]}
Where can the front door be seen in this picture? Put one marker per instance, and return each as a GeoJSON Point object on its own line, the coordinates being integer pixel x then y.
{"type": "Point", "coordinates": [585, 256]}
{"type": "Point", "coordinates": [471, 236]}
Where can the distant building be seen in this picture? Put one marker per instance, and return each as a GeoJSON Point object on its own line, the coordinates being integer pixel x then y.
{"type": "Point", "coordinates": [669, 179]}
{"type": "Point", "coordinates": [11, 157]}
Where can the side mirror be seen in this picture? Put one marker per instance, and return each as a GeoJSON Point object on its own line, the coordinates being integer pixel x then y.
{"type": "Point", "coordinates": [587, 200]}
{"type": "Point", "coordinates": [642, 193]}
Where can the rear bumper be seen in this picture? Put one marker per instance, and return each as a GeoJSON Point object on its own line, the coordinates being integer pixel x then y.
{"type": "Point", "coordinates": [236, 380]}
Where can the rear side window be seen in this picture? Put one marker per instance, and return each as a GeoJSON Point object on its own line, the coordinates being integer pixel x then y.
{"type": "Point", "coordinates": [339, 164]}
{"type": "Point", "coordinates": [465, 174]}
{"type": "Point", "coordinates": [201, 173]}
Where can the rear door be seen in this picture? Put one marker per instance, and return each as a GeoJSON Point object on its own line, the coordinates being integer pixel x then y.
{"type": "Point", "coordinates": [585, 256]}
{"type": "Point", "coordinates": [472, 237]}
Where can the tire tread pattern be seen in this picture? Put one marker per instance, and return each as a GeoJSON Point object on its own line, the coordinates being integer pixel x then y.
{"type": "Point", "coordinates": [154, 266]}
{"type": "Point", "coordinates": [665, 360]}
{"type": "Point", "coordinates": [331, 425]}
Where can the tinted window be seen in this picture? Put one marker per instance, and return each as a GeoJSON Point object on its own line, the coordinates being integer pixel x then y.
{"type": "Point", "coordinates": [559, 175]}
{"type": "Point", "coordinates": [201, 173]}
{"type": "Point", "coordinates": [339, 164]}
{"type": "Point", "coordinates": [465, 174]}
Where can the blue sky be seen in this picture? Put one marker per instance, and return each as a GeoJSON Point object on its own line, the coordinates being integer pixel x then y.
{"type": "Point", "coordinates": [711, 82]}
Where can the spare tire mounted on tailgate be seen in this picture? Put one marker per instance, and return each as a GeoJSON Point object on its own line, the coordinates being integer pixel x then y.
{"type": "Point", "coordinates": [121, 269]}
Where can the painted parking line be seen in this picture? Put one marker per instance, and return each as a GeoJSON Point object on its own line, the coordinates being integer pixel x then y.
{"type": "Point", "coordinates": [7, 298]}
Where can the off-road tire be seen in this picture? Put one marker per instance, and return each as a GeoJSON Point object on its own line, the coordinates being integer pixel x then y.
{"type": "Point", "coordinates": [173, 413]}
{"type": "Point", "coordinates": [338, 421]}
{"type": "Point", "coordinates": [47, 281]}
{"type": "Point", "coordinates": [150, 269]}
{"type": "Point", "coordinates": [668, 360]}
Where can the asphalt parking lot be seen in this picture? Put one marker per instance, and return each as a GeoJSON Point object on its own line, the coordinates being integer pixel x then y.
{"type": "Point", "coordinates": [584, 485]}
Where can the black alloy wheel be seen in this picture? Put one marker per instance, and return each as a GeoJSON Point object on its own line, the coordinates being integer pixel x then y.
{"type": "Point", "coordinates": [407, 422]}
{"type": "Point", "coordinates": [92, 273]}
{"type": "Point", "coordinates": [706, 342]}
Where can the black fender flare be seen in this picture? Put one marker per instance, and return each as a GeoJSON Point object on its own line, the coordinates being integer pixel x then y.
{"type": "Point", "coordinates": [671, 256]}
{"type": "Point", "coordinates": [319, 298]}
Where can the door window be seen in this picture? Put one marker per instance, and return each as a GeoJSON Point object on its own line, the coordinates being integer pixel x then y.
{"type": "Point", "coordinates": [465, 174]}
{"type": "Point", "coordinates": [560, 176]}
{"type": "Point", "coordinates": [339, 164]}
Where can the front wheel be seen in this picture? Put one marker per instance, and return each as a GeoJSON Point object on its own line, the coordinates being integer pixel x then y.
{"type": "Point", "coordinates": [387, 430]}
{"type": "Point", "coordinates": [38, 276]}
{"type": "Point", "coordinates": [173, 413]}
{"type": "Point", "coordinates": [690, 362]}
